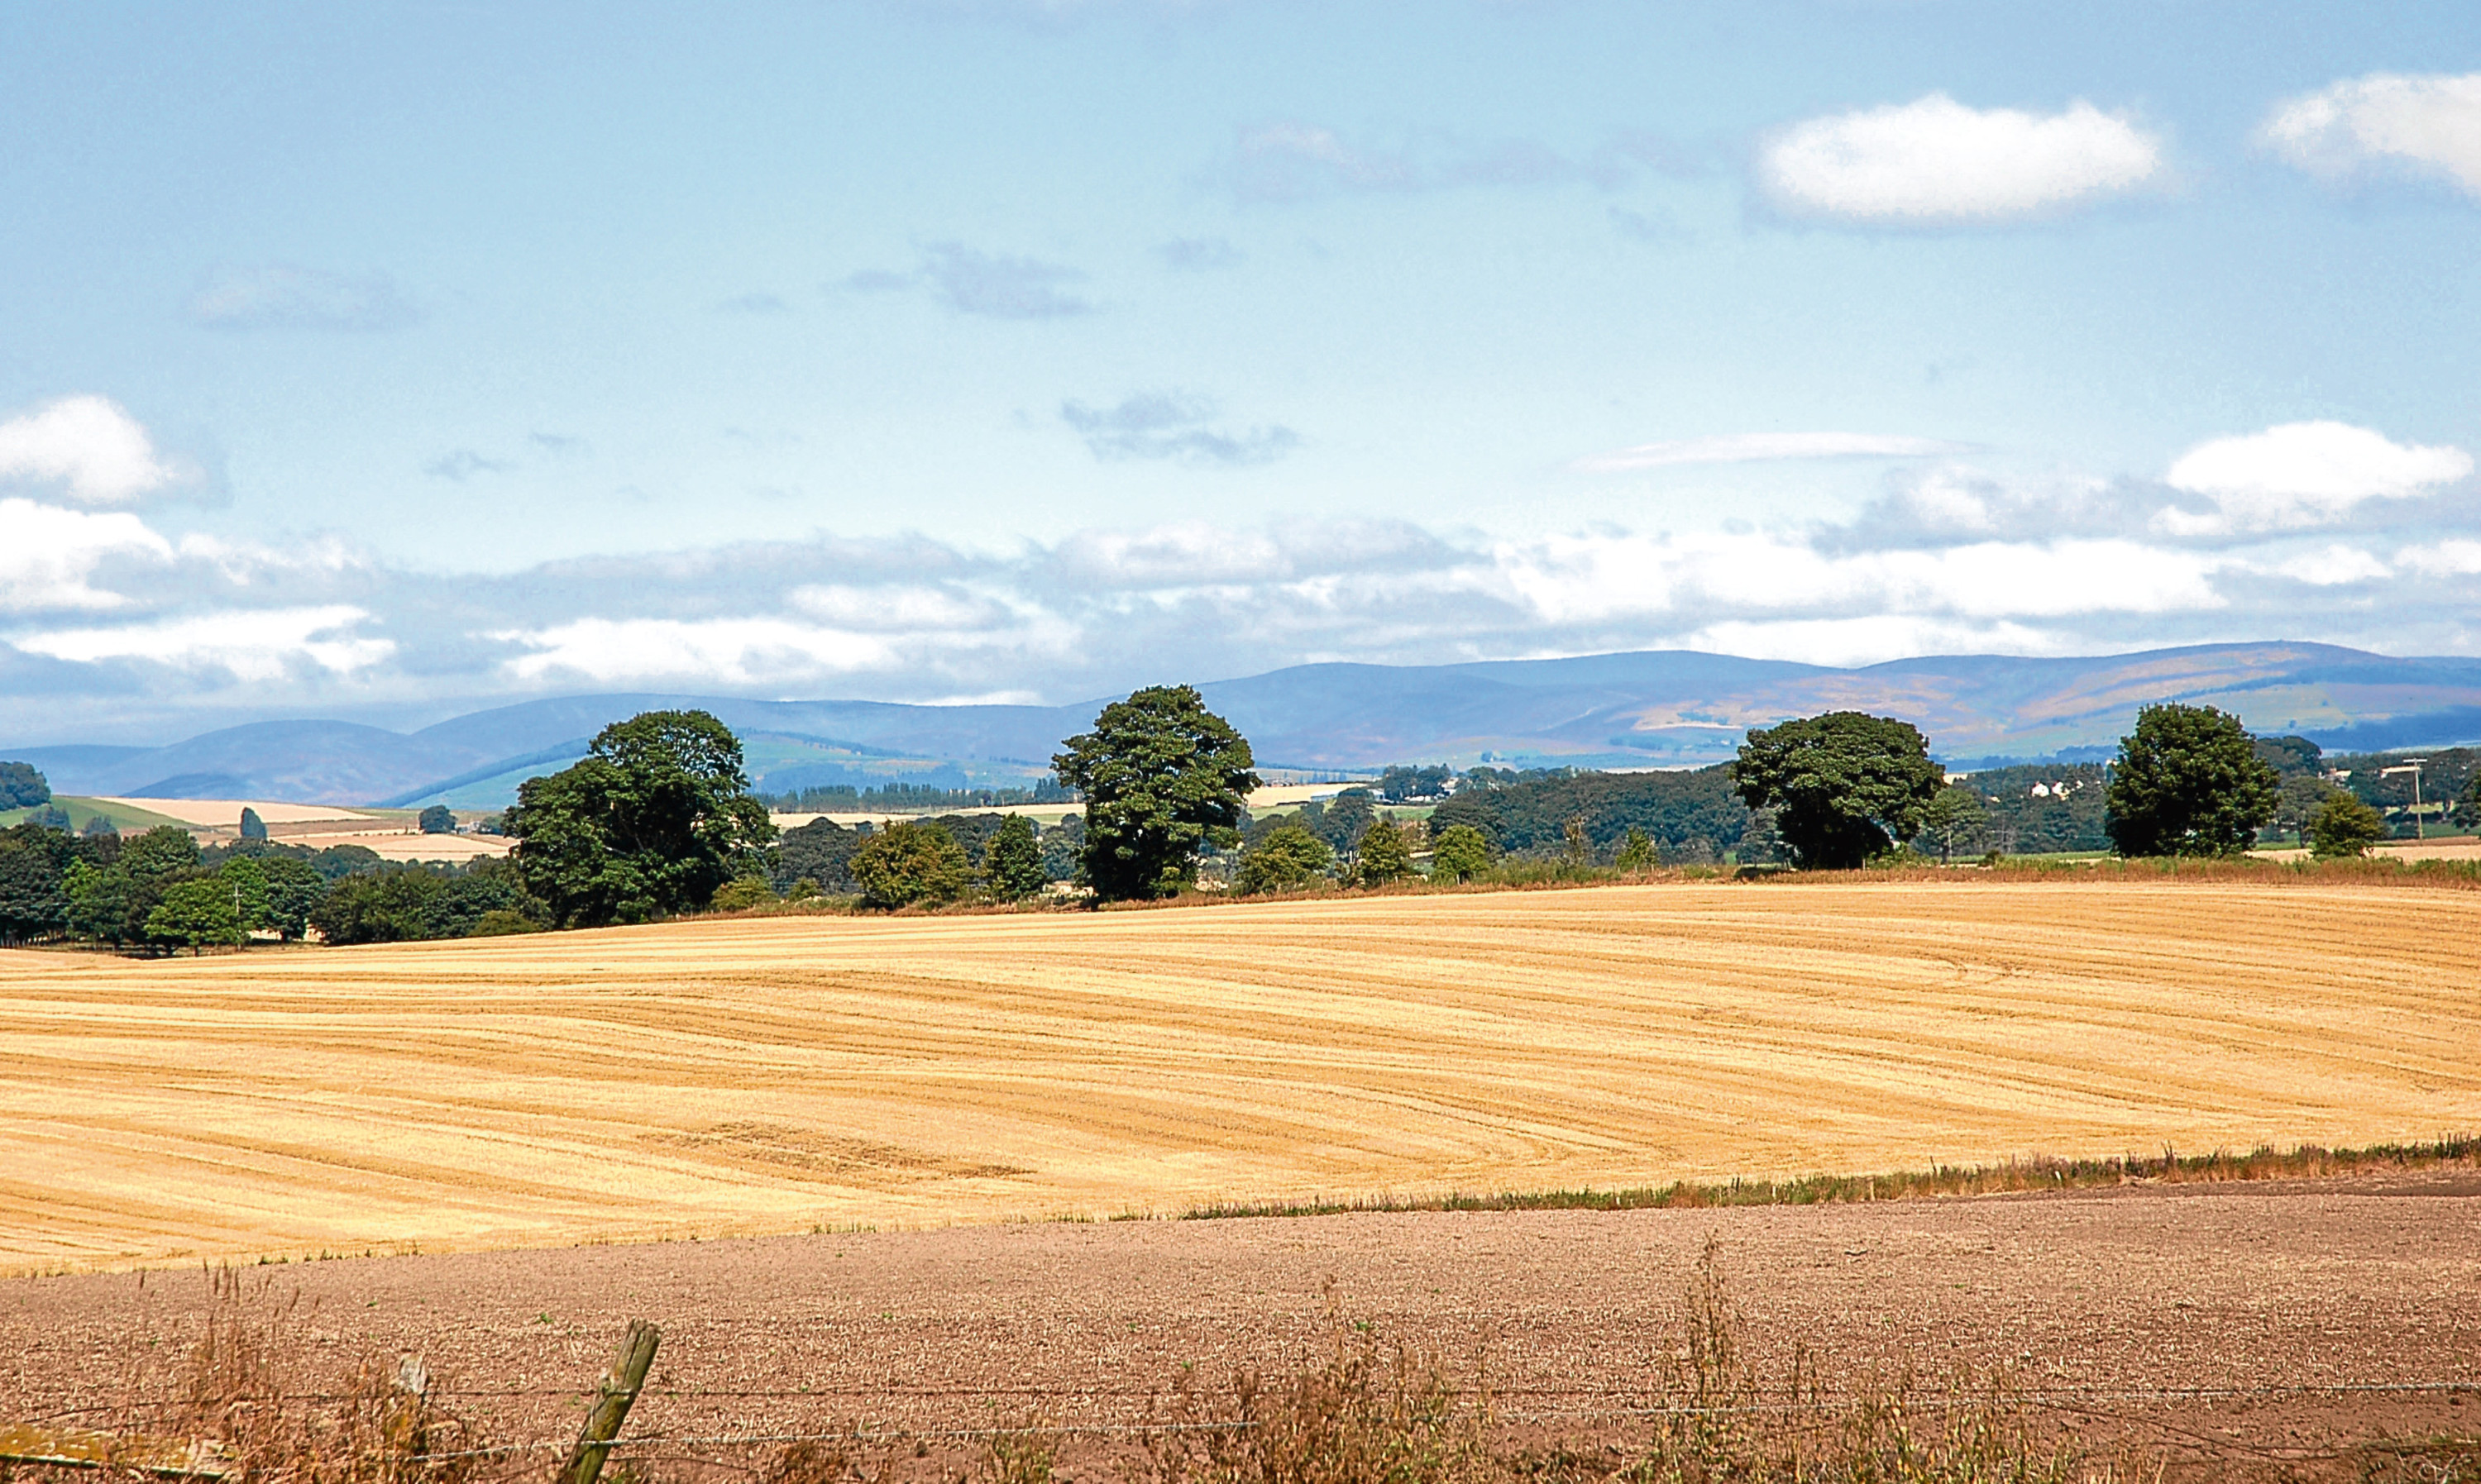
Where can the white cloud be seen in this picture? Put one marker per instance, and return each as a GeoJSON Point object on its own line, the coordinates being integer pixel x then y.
{"type": "Point", "coordinates": [734, 651]}
{"type": "Point", "coordinates": [2301, 474]}
{"type": "Point", "coordinates": [1757, 447]}
{"type": "Point", "coordinates": [1936, 160]}
{"type": "Point", "coordinates": [252, 644]}
{"type": "Point", "coordinates": [2452, 557]}
{"type": "Point", "coordinates": [89, 448]}
{"type": "Point", "coordinates": [2431, 123]}
{"type": "Point", "coordinates": [2335, 567]}
{"type": "Point", "coordinates": [50, 553]}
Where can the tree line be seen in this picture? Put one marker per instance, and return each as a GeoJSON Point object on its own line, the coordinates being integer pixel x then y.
{"type": "Point", "coordinates": [659, 820]}
{"type": "Point", "coordinates": [159, 892]}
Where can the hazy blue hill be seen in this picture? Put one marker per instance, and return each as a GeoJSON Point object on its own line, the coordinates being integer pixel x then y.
{"type": "Point", "coordinates": [1657, 708]}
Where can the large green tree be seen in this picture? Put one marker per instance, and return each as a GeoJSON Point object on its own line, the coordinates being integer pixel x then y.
{"type": "Point", "coordinates": [1162, 776]}
{"type": "Point", "coordinates": [652, 820]}
{"type": "Point", "coordinates": [2188, 781]}
{"type": "Point", "coordinates": [1844, 786]}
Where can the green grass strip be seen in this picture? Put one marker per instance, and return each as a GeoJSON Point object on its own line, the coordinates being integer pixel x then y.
{"type": "Point", "coordinates": [2308, 1161]}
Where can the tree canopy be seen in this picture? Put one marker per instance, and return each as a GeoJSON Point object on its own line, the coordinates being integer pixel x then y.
{"type": "Point", "coordinates": [1691, 815]}
{"type": "Point", "coordinates": [1162, 776]}
{"type": "Point", "coordinates": [1844, 786]}
{"type": "Point", "coordinates": [652, 820]}
{"type": "Point", "coordinates": [2188, 781]}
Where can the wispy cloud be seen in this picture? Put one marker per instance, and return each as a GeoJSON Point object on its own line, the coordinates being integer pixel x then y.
{"type": "Point", "coordinates": [1759, 446]}
{"type": "Point", "coordinates": [1192, 255]}
{"type": "Point", "coordinates": [284, 296]}
{"type": "Point", "coordinates": [1174, 426]}
{"type": "Point", "coordinates": [2430, 124]}
{"type": "Point", "coordinates": [1000, 285]}
{"type": "Point", "coordinates": [997, 285]}
{"type": "Point", "coordinates": [462, 464]}
{"type": "Point", "coordinates": [1292, 161]}
{"type": "Point", "coordinates": [1937, 162]}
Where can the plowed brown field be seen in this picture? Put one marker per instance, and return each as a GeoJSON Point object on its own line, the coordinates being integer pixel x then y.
{"type": "Point", "coordinates": [773, 1074]}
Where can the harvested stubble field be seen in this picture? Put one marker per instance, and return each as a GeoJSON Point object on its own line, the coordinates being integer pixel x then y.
{"type": "Point", "coordinates": [725, 1076]}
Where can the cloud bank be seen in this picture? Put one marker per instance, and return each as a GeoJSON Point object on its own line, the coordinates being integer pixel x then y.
{"type": "Point", "coordinates": [2310, 529]}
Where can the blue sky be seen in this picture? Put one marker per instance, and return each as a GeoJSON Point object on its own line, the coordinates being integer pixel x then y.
{"type": "Point", "coordinates": [386, 361]}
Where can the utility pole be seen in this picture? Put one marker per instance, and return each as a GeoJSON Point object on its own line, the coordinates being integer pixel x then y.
{"type": "Point", "coordinates": [2411, 766]}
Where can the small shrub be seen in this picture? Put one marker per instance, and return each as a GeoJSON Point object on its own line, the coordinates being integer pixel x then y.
{"type": "Point", "coordinates": [2343, 826]}
{"type": "Point", "coordinates": [906, 864]}
{"type": "Point", "coordinates": [1462, 854]}
{"type": "Point", "coordinates": [1386, 856]}
{"type": "Point", "coordinates": [1287, 859]}
{"type": "Point", "coordinates": [742, 894]}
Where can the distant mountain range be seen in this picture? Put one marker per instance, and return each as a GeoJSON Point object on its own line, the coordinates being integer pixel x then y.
{"type": "Point", "coordinates": [1670, 708]}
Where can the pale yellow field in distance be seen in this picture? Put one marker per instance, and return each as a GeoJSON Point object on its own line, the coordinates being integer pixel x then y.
{"type": "Point", "coordinates": [770, 1074]}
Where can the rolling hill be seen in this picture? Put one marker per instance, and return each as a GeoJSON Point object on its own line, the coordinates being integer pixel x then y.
{"type": "Point", "coordinates": [1655, 708]}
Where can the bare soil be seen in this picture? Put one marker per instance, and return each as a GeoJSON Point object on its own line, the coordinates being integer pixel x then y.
{"type": "Point", "coordinates": [2239, 1331]}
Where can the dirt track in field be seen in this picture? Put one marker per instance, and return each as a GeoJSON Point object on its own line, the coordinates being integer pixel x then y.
{"type": "Point", "coordinates": [2284, 1306]}
{"type": "Point", "coordinates": [771, 1074]}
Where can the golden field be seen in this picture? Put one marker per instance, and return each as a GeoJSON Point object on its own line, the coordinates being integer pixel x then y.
{"type": "Point", "coordinates": [773, 1074]}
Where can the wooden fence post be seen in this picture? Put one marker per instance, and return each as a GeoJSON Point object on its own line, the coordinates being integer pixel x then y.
{"type": "Point", "coordinates": [612, 1401]}
{"type": "Point", "coordinates": [76, 1447]}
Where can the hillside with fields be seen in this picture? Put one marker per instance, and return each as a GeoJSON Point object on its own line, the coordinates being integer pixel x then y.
{"type": "Point", "coordinates": [1667, 708]}
{"type": "Point", "coordinates": [747, 1076]}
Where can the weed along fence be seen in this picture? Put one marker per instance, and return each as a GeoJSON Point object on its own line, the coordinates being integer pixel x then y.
{"type": "Point", "coordinates": [406, 1432]}
{"type": "Point", "coordinates": [1359, 1412]}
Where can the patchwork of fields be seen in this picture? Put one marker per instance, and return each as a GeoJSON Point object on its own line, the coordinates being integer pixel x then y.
{"type": "Point", "coordinates": [773, 1074]}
